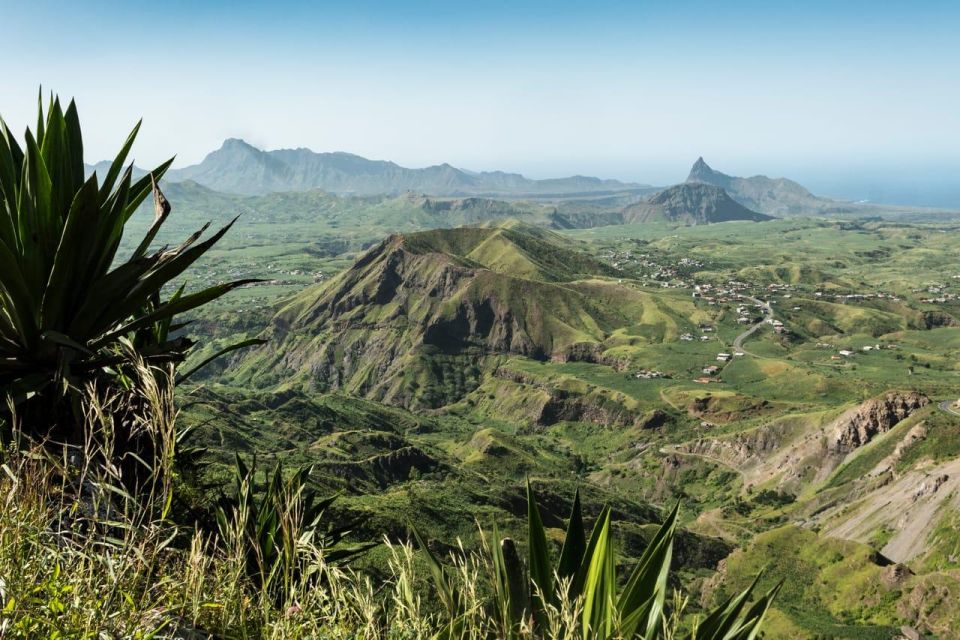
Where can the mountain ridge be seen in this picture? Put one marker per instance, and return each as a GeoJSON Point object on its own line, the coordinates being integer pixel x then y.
{"type": "Point", "coordinates": [772, 196]}
{"type": "Point", "coordinates": [239, 167]}
{"type": "Point", "coordinates": [691, 203]}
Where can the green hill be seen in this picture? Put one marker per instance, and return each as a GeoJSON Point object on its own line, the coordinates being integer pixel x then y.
{"type": "Point", "coordinates": [414, 318]}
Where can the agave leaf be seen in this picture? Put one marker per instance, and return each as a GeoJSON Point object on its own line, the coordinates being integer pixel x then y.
{"type": "Point", "coordinates": [166, 269]}
{"type": "Point", "coordinates": [541, 571]}
{"type": "Point", "coordinates": [510, 592]}
{"type": "Point", "coordinates": [18, 301]}
{"type": "Point", "coordinates": [74, 137]}
{"type": "Point", "coordinates": [222, 352]}
{"type": "Point", "coordinates": [599, 612]}
{"type": "Point", "coordinates": [648, 582]}
{"type": "Point", "coordinates": [140, 189]}
{"type": "Point", "coordinates": [117, 165]}
{"type": "Point", "coordinates": [574, 543]}
{"type": "Point", "coordinates": [34, 216]}
{"type": "Point", "coordinates": [723, 621]}
{"type": "Point", "coordinates": [162, 208]}
{"type": "Point", "coordinates": [170, 309]}
{"type": "Point", "coordinates": [445, 589]}
{"type": "Point", "coordinates": [581, 575]}
{"type": "Point", "coordinates": [11, 167]}
{"type": "Point", "coordinates": [752, 621]}
{"type": "Point", "coordinates": [64, 341]}
{"type": "Point", "coordinates": [68, 260]}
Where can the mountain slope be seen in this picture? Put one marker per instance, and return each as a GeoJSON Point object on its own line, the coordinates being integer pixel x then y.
{"type": "Point", "coordinates": [773, 196]}
{"type": "Point", "coordinates": [238, 167]}
{"type": "Point", "coordinates": [413, 318]}
{"type": "Point", "coordinates": [690, 204]}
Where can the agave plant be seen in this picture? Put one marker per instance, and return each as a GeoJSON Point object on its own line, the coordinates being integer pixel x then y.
{"type": "Point", "coordinates": [271, 529]}
{"type": "Point", "coordinates": [585, 576]}
{"type": "Point", "coordinates": [66, 300]}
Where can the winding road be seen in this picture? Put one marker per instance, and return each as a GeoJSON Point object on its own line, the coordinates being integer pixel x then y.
{"type": "Point", "coordinates": [767, 315]}
{"type": "Point", "coordinates": [947, 407]}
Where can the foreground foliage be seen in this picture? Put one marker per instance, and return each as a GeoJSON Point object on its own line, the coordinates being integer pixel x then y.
{"type": "Point", "coordinates": [581, 595]}
{"type": "Point", "coordinates": [260, 521]}
{"type": "Point", "coordinates": [81, 557]}
{"type": "Point", "coordinates": [68, 301]}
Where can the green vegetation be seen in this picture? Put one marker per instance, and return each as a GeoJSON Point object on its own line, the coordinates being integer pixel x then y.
{"type": "Point", "coordinates": [783, 379]}
{"type": "Point", "coordinates": [68, 308]}
{"type": "Point", "coordinates": [550, 598]}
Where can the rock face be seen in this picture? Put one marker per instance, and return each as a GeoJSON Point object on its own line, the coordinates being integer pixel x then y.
{"type": "Point", "coordinates": [564, 406]}
{"type": "Point", "coordinates": [858, 426]}
{"type": "Point", "coordinates": [773, 196]}
{"type": "Point", "coordinates": [795, 456]}
{"type": "Point", "coordinates": [691, 203]}
{"type": "Point", "coordinates": [701, 172]}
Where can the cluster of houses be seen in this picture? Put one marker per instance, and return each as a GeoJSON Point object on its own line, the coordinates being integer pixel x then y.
{"type": "Point", "coordinates": [296, 275]}
{"type": "Point", "coordinates": [704, 328]}
{"type": "Point", "coordinates": [855, 297]}
{"type": "Point", "coordinates": [649, 374]}
{"type": "Point", "coordinates": [715, 295]}
{"type": "Point", "coordinates": [711, 371]}
{"type": "Point", "coordinates": [745, 315]}
{"type": "Point", "coordinates": [669, 275]}
{"type": "Point", "coordinates": [939, 292]}
{"type": "Point", "coordinates": [843, 354]}
{"type": "Point", "coordinates": [689, 337]}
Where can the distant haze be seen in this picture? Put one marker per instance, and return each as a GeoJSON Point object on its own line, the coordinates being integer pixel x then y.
{"type": "Point", "coordinates": [855, 100]}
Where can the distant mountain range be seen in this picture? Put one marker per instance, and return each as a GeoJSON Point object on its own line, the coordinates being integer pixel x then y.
{"type": "Point", "coordinates": [238, 167]}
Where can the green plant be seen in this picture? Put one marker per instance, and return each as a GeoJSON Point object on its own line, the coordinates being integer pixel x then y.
{"type": "Point", "coordinates": [584, 580]}
{"type": "Point", "coordinates": [66, 297]}
{"type": "Point", "coordinates": [269, 529]}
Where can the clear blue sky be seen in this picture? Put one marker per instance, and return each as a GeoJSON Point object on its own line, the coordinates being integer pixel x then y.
{"type": "Point", "coordinates": [842, 95]}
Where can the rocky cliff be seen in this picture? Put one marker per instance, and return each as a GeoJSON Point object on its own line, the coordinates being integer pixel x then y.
{"type": "Point", "coordinates": [795, 453]}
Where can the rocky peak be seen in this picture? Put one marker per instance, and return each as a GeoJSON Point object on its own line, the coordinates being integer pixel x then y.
{"type": "Point", "coordinates": [701, 172]}
{"type": "Point", "coordinates": [691, 203]}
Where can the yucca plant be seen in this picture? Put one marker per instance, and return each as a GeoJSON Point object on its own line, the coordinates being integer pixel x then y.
{"type": "Point", "coordinates": [66, 300]}
{"type": "Point", "coordinates": [585, 579]}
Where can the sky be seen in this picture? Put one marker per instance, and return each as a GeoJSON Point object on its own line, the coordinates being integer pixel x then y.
{"type": "Point", "coordinates": [854, 99]}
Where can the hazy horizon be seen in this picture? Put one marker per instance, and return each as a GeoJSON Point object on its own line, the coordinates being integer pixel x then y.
{"type": "Point", "coordinates": [855, 102]}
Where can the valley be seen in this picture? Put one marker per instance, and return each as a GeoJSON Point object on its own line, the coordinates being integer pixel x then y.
{"type": "Point", "coordinates": [480, 321]}
{"type": "Point", "coordinates": [790, 380]}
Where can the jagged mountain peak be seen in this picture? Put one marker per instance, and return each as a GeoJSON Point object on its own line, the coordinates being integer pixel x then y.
{"type": "Point", "coordinates": [775, 196]}
{"type": "Point", "coordinates": [237, 143]}
{"type": "Point", "coordinates": [691, 203]}
{"type": "Point", "coordinates": [702, 172]}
